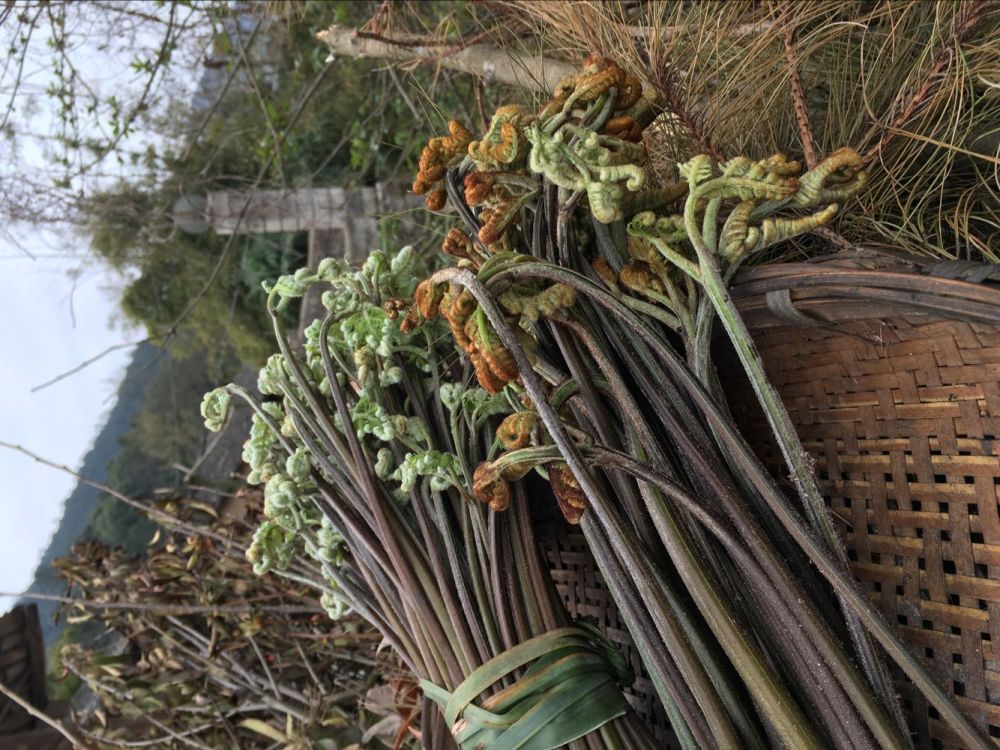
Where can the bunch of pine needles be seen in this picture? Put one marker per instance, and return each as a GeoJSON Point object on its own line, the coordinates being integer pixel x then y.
{"type": "Point", "coordinates": [913, 86]}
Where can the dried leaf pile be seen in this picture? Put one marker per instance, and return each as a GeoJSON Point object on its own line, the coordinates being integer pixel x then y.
{"type": "Point", "coordinates": [213, 655]}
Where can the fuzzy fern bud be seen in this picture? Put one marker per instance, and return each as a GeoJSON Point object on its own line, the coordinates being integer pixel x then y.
{"type": "Point", "coordinates": [215, 408]}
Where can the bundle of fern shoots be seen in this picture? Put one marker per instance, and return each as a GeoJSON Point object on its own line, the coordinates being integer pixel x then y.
{"type": "Point", "coordinates": [561, 354]}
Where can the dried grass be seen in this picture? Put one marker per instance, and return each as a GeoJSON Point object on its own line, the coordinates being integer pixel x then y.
{"type": "Point", "coordinates": [913, 85]}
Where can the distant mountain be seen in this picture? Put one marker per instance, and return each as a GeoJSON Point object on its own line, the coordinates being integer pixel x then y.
{"type": "Point", "coordinates": [82, 501]}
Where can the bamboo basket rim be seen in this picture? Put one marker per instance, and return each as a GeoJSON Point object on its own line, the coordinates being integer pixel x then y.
{"type": "Point", "coordinates": [828, 289]}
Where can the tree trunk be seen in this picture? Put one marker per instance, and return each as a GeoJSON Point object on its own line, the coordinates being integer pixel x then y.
{"type": "Point", "coordinates": [493, 64]}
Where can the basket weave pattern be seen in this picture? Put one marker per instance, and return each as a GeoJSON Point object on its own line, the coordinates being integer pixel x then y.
{"type": "Point", "coordinates": [902, 415]}
{"type": "Point", "coordinates": [582, 590]}
{"type": "Point", "coordinates": [891, 375]}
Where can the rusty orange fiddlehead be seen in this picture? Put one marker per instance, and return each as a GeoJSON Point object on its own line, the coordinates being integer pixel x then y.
{"type": "Point", "coordinates": [437, 157]}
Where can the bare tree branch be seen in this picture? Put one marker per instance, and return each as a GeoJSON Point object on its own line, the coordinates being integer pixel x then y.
{"type": "Point", "coordinates": [193, 138]}
{"type": "Point", "coordinates": [78, 742]}
{"type": "Point", "coordinates": [156, 514]}
{"type": "Point", "coordinates": [87, 363]}
{"type": "Point", "coordinates": [172, 609]}
{"type": "Point", "coordinates": [485, 60]}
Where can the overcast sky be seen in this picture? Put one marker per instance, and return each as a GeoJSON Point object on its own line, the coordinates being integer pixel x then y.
{"type": "Point", "coordinates": [41, 334]}
{"type": "Point", "coordinates": [38, 339]}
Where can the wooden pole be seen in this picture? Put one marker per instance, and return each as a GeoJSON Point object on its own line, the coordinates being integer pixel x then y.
{"type": "Point", "coordinates": [491, 63]}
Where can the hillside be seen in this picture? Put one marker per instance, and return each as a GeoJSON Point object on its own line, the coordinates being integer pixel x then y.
{"type": "Point", "coordinates": [80, 505]}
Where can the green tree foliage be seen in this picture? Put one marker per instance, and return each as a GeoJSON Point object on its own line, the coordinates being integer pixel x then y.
{"type": "Point", "coordinates": [117, 221]}
{"type": "Point", "coordinates": [168, 428]}
{"type": "Point", "coordinates": [58, 685]}
{"type": "Point", "coordinates": [131, 226]}
{"type": "Point", "coordinates": [170, 278]}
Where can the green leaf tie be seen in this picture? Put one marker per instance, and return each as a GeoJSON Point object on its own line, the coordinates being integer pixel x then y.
{"type": "Point", "coordinates": [570, 689]}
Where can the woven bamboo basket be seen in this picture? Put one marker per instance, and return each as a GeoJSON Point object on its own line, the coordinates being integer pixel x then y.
{"type": "Point", "coordinates": [890, 369]}
{"type": "Point", "coordinates": [22, 667]}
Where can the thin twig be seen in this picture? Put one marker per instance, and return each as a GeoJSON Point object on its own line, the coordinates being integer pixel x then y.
{"type": "Point", "coordinates": [798, 93]}
{"type": "Point", "coordinates": [480, 91]}
{"type": "Point", "coordinates": [77, 741]}
{"type": "Point", "coordinates": [193, 137]}
{"type": "Point", "coordinates": [244, 50]}
{"type": "Point", "coordinates": [418, 41]}
{"type": "Point", "coordinates": [668, 33]}
{"type": "Point", "coordinates": [166, 519]}
{"type": "Point", "coordinates": [263, 664]}
{"type": "Point", "coordinates": [88, 362]}
{"type": "Point", "coordinates": [306, 663]}
{"type": "Point", "coordinates": [171, 609]}
{"type": "Point", "coordinates": [417, 114]}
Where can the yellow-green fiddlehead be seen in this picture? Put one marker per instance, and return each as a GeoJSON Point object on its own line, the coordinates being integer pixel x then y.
{"type": "Point", "coordinates": [603, 166]}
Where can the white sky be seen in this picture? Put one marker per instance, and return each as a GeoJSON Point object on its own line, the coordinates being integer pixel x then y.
{"type": "Point", "coordinates": [37, 341]}
{"type": "Point", "coordinates": [38, 337]}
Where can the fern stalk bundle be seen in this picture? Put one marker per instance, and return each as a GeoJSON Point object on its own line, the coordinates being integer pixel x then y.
{"type": "Point", "coordinates": [595, 296]}
{"type": "Point", "coordinates": [582, 301]}
{"type": "Point", "coordinates": [366, 445]}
